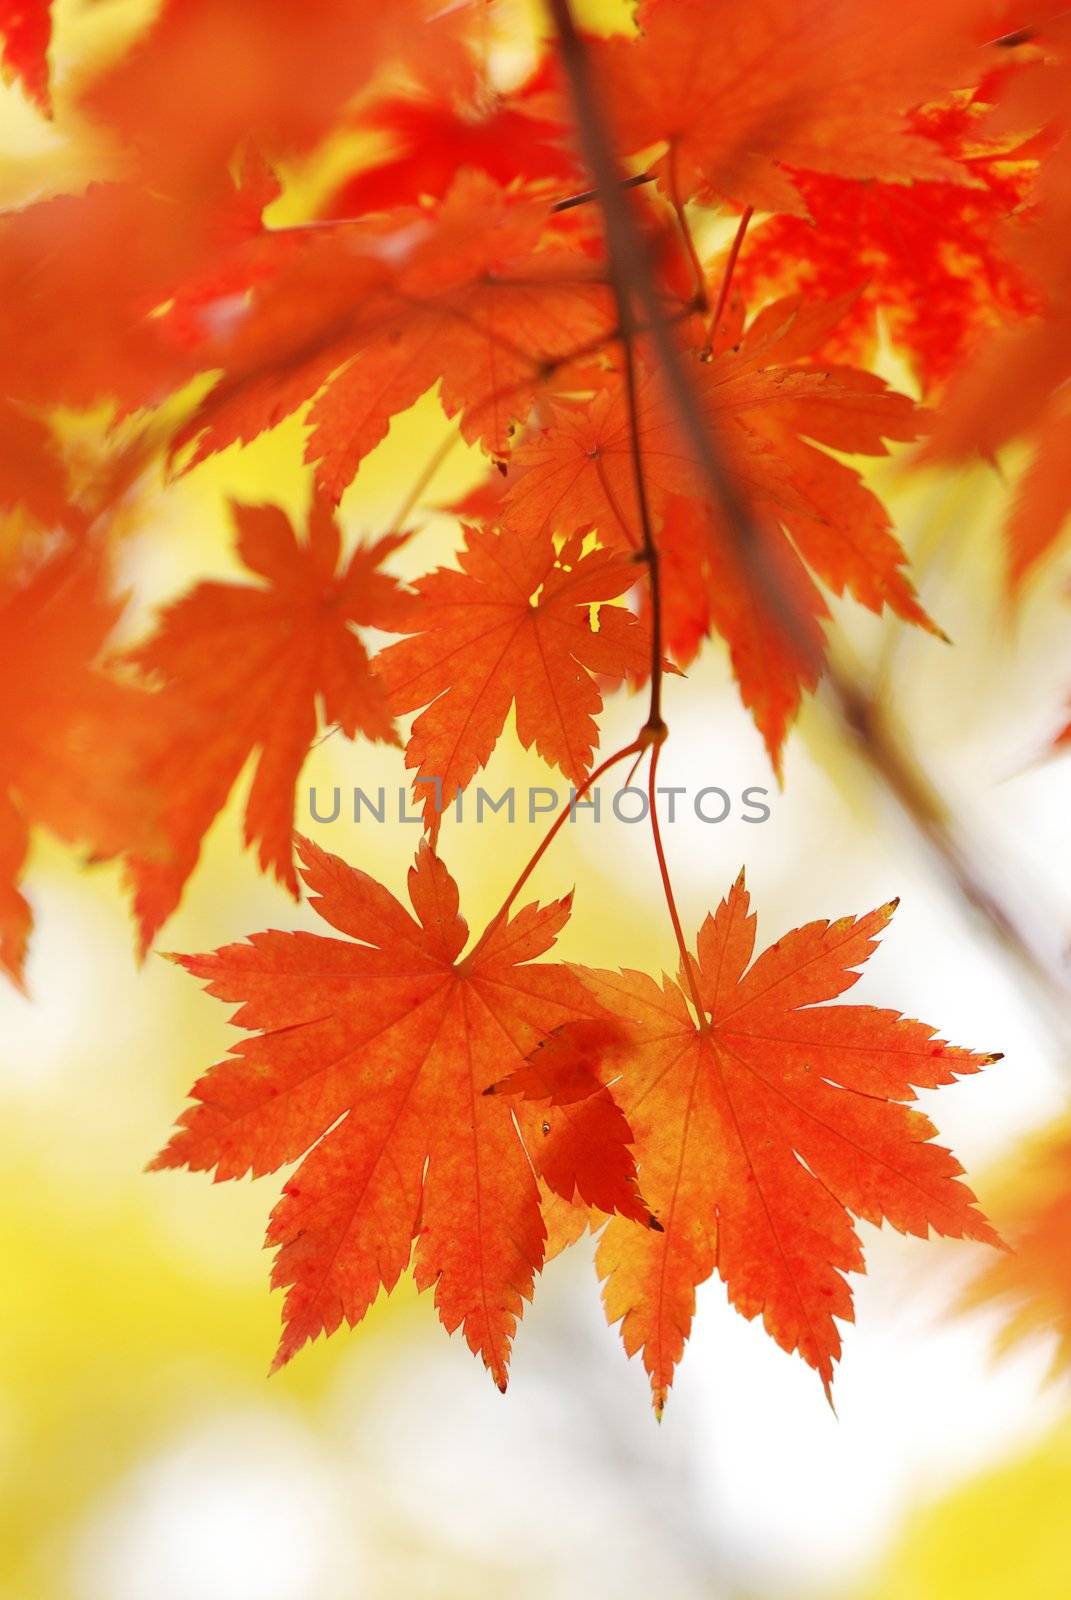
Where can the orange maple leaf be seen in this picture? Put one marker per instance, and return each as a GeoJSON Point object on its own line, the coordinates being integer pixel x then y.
{"type": "Point", "coordinates": [96, 288]}
{"type": "Point", "coordinates": [760, 1127]}
{"type": "Point", "coordinates": [72, 739]}
{"type": "Point", "coordinates": [264, 72]}
{"type": "Point", "coordinates": [773, 413]}
{"type": "Point", "coordinates": [1017, 385]}
{"type": "Point", "coordinates": [388, 1030]}
{"type": "Point", "coordinates": [1031, 1283]}
{"type": "Point", "coordinates": [513, 627]}
{"type": "Point", "coordinates": [252, 669]}
{"type": "Point", "coordinates": [481, 294]}
{"type": "Point", "coordinates": [736, 92]}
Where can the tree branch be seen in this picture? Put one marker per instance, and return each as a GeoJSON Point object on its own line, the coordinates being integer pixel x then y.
{"type": "Point", "coordinates": [631, 269]}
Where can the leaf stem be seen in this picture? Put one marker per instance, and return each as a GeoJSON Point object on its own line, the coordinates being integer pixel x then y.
{"type": "Point", "coordinates": [687, 965]}
{"type": "Point", "coordinates": [638, 745]}
{"type": "Point", "coordinates": [686, 232]}
{"type": "Point", "coordinates": [727, 277]}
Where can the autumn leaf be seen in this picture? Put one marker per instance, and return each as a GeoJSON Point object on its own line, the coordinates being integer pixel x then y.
{"type": "Point", "coordinates": [375, 1050]}
{"type": "Point", "coordinates": [98, 289]}
{"type": "Point", "coordinates": [73, 739]}
{"type": "Point", "coordinates": [516, 136]}
{"type": "Point", "coordinates": [777, 417]}
{"type": "Point", "coordinates": [761, 1127]}
{"type": "Point", "coordinates": [481, 295]}
{"type": "Point", "coordinates": [737, 93]}
{"type": "Point", "coordinates": [926, 262]}
{"type": "Point", "coordinates": [251, 670]}
{"type": "Point", "coordinates": [26, 28]}
{"type": "Point", "coordinates": [513, 628]}
{"type": "Point", "coordinates": [261, 72]}
{"type": "Point", "coordinates": [578, 1138]}
{"type": "Point", "coordinates": [251, 211]}
{"type": "Point", "coordinates": [1015, 387]}
{"type": "Point", "coordinates": [1030, 1285]}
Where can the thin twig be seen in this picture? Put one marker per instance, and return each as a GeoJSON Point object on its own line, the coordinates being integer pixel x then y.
{"type": "Point", "coordinates": [656, 726]}
{"type": "Point", "coordinates": [427, 473]}
{"type": "Point", "coordinates": [593, 194]}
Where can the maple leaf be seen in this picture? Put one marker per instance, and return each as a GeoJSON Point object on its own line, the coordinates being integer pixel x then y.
{"type": "Point", "coordinates": [1031, 1283]}
{"type": "Point", "coordinates": [264, 72]}
{"type": "Point", "coordinates": [248, 670]}
{"type": "Point", "coordinates": [390, 1032]}
{"type": "Point", "coordinates": [72, 739]}
{"type": "Point", "coordinates": [1016, 387]}
{"type": "Point", "coordinates": [513, 628]}
{"type": "Point", "coordinates": [97, 289]}
{"type": "Point", "coordinates": [89, 268]}
{"type": "Point", "coordinates": [736, 93]}
{"type": "Point", "coordinates": [579, 1140]}
{"type": "Point", "coordinates": [481, 294]}
{"type": "Point", "coordinates": [927, 258]}
{"type": "Point", "coordinates": [26, 27]}
{"type": "Point", "coordinates": [761, 1127]}
{"type": "Point", "coordinates": [510, 137]}
{"type": "Point", "coordinates": [772, 414]}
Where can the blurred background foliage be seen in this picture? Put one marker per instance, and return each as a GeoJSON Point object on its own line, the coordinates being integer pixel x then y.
{"type": "Point", "coordinates": [145, 1453]}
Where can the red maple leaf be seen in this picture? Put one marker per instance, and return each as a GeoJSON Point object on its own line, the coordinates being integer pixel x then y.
{"type": "Point", "coordinates": [577, 1135]}
{"type": "Point", "coordinates": [482, 294]}
{"type": "Point", "coordinates": [735, 94]}
{"type": "Point", "coordinates": [389, 1031]}
{"type": "Point", "coordinates": [251, 670]}
{"type": "Point", "coordinates": [74, 739]}
{"type": "Point", "coordinates": [513, 627]}
{"type": "Point", "coordinates": [519, 136]}
{"type": "Point", "coordinates": [928, 259]}
{"type": "Point", "coordinates": [761, 1125]}
{"type": "Point", "coordinates": [260, 72]}
{"type": "Point", "coordinates": [26, 27]}
{"type": "Point", "coordinates": [1017, 384]}
{"type": "Point", "coordinates": [773, 413]}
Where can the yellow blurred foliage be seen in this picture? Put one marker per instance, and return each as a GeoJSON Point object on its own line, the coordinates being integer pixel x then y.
{"type": "Point", "coordinates": [1002, 1536]}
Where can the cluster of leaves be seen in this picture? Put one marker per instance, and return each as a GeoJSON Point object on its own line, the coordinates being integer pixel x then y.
{"type": "Point", "coordinates": [479, 1111]}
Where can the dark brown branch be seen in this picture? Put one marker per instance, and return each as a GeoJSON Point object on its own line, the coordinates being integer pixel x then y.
{"type": "Point", "coordinates": [630, 261]}
{"type": "Point", "coordinates": [896, 768]}
{"type": "Point", "coordinates": [656, 726]}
